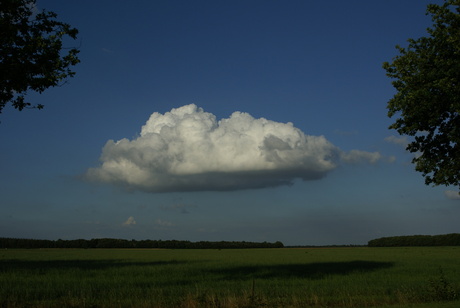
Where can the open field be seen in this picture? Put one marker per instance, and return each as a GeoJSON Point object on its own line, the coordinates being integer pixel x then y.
{"type": "Point", "coordinates": [419, 277]}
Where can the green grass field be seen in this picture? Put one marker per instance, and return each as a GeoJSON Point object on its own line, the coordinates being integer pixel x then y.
{"type": "Point", "coordinates": [422, 277]}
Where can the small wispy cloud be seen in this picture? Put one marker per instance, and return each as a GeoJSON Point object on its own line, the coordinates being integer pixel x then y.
{"type": "Point", "coordinates": [452, 194]}
{"type": "Point", "coordinates": [163, 223]}
{"type": "Point", "coordinates": [390, 159]}
{"type": "Point", "coordinates": [106, 50]}
{"type": "Point", "coordinates": [178, 207]}
{"type": "Point", "coordinates": [402, 141]}
{"type": "Point", "coordinates": [129, 222]}
{"type": "Point", "coordinates": [357, 156]}
{"type": "Point", "coordinates": [345, 133]}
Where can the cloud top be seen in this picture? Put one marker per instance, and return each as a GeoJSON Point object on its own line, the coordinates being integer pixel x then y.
{"type": "Point", "coordinates": [187, 149]}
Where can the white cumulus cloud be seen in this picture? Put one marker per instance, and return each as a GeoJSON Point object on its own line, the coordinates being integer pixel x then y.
{"type": "Point", "coordinates": [188, 149]}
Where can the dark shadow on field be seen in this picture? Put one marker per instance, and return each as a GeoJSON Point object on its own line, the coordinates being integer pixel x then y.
{"type": "Point", "coordinates": [301, 270]}
{"type": "Point", "coordinates": [14, 264]}
{"type": "Point", "coordinates": [277, 271]}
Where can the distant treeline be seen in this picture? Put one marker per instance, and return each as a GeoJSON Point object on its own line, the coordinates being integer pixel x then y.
{"type": "Point", "coordinates": [325, 246]}
{"type": "Point", "coordinates": [452, 239]}
{"type": "Point", "coordinates": [121, 243]}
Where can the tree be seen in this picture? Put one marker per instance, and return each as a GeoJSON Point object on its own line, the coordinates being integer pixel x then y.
{"type": "Point", "coordinates": [427, 101]}
{"type": "Point", "coordinates": [31, 46]}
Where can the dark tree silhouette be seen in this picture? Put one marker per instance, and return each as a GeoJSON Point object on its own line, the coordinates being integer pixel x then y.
{"type": "Point", "coordinates": [427, 102]}
{"type": "Point", "coordinates": [31, 52]}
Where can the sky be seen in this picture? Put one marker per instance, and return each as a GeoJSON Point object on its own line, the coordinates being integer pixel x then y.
{"type": "Point", "coordinates": [222, 120]}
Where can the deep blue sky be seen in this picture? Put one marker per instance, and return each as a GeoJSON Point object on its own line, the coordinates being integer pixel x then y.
{"type": "Point", "coordinates": [315, 64]}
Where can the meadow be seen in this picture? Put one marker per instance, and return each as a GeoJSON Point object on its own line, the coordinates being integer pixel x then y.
{"type": "Point", "coordinates": [422, 277]}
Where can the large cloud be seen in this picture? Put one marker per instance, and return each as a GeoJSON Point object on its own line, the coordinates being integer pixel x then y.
{"type": "Point", "coordinates": [187, 149]}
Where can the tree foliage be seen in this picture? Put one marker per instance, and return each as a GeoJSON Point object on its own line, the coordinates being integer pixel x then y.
{"type": "Point", "coordinates": [31, 52]}
{"type": "Point", "coordinates": [452, 239]}
{"type": "Point", "coordinates": [427, 75]}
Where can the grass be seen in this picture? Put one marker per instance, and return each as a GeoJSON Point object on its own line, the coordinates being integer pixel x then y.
{"type": "Point", "coordinates": [418, 277]}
